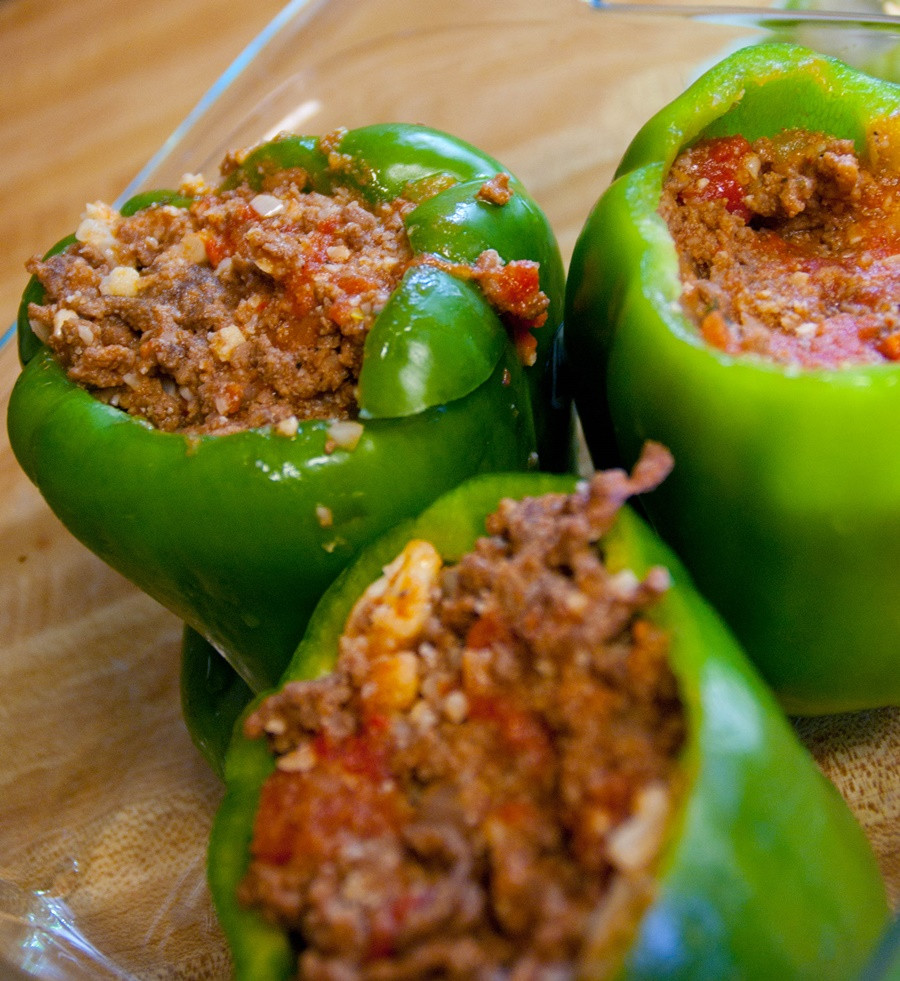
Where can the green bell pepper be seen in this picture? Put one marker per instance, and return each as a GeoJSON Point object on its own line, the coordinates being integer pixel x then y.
{"type": "Point", "coordinates": [239, 534]}
{"type": "Point", "coordinates": [884, 965]}
{"type": "Point", "coordinates": [765, 873]}
{"type": "Point", "coordinates": [213, 696]}
{"type": "Point", "coordinates": [785, 499]}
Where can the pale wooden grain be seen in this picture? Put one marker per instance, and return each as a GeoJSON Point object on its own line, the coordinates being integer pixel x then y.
{"type": "Point", "coordinates": [114, 815]}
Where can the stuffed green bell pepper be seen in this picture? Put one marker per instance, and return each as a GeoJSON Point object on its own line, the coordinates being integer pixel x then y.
{"type": "Point", "coordinates": [228, 389]}
{"type": "Point", "coordinates": [515, 739]}
{"type": "Point", "coordinates": [733, 294]}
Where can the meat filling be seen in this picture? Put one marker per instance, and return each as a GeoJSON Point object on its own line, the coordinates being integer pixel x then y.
{"type": "Point", "coordinates": [247, 308]}
{"type": "Point", "coordinates": [482, 786]}
{"type": "Point", "coordinates": [244, 309]}
{"type": "Point", "coordinates": [790, 247]}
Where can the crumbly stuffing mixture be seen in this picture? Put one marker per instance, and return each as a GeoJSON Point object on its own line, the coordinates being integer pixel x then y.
{"type": "Point", "coordinates": [248, 308]}
{"type": "Point", "coordinates": [789, 247]}
{"type": "Point", "coordinates": [482, 786]}
{"type": "Point", "coordinates": [244, 309]}
{"type": "Point", "coordinates": [512, 288]}
{"type": "Point", "coordinates": [496, 190]}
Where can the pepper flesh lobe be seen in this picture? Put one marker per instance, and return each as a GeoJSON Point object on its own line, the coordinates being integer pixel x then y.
{"type": "Point", "coordinates": [785, 501]}
{"type": "Point", "coordinates": [245, 529]}
{"type": "Point", "coordinates": [757, 829]}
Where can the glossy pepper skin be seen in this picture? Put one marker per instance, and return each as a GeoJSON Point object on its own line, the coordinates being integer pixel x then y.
{"type": "Point", "coordinates": [213, 697]}
{"type": "Point", "coordinates": [785, 498]}
{"type": "Point", "coordinates": [765, 873]}
{"type": "Point", "coordinates": [239, 534]}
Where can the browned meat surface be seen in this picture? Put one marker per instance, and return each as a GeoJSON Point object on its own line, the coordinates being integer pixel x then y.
{"type": "Point", "coordinates": [789, 247]}
{"type": "Point", "coordinates": [482, 787]}
{"type": "Point", "coordinates": [248, 308]}
{"type": "Point", "coordinates": [243, 310]}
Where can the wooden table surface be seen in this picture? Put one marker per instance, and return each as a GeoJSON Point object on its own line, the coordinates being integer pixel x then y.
{"type": "Point", "coordinates": [113, 816]}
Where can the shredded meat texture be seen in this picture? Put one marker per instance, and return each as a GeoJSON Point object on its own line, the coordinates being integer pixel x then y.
{"type": "Point", "coordinates": [482, 786]}
{"type": "Point", "coordinates": [789, 247]}
{"type": "Point", "coordinates": [250, 307]}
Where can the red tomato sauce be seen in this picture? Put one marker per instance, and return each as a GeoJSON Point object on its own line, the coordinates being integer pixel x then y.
{"type": "Point", "coordinates": [529, 730]}
{"type": "Point", "coordinates": [789, 248]}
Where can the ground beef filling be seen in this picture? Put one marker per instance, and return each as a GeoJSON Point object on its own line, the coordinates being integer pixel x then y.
{"type": "Point", "coordinates": [248, 308]}
{"type": "Point", "coordinates": [244, 309]}
{"type": "Point", "coordinates": [482, 786]}
{"type": "Point", "coordinates": [789, 247]}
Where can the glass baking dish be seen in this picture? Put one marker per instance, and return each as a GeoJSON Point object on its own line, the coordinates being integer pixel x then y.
{"type": "Point", "coordinates": [105, 879]}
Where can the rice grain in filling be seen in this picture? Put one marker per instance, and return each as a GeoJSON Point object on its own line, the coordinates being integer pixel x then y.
{"type": "Point", "coordinates": [242, 310]}
{"type": "Point", "coordinates": [790, 246]}
{"type": "Point", "coordinates": [247, 308]}
{"type": "Point", "coordinates": [482, 786]}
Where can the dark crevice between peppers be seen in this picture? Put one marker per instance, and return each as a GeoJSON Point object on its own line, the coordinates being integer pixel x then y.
{"type": "Point", "coordinates": [785, 499]}
{"type": "Point", "coordinates": [213, 697]}
{"type": "Point", "coordinates": [227, 531]}
{"type": "Point", "coordinates": [765, 873]}
{"type": "Point", "coordinates": [884, 964]}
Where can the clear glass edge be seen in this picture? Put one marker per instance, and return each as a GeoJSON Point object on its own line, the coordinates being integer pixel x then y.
{"type": "Point", "coordinates": [752, 16]}
{"type": "Point", "coordinates": [294, 12]}
{"type": "Point", "coordinates": [297, 11]}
